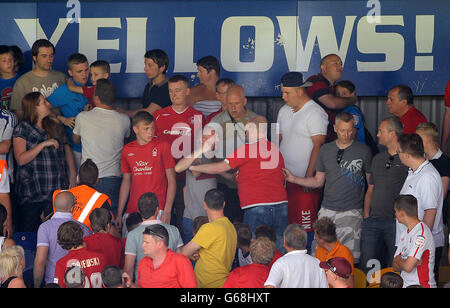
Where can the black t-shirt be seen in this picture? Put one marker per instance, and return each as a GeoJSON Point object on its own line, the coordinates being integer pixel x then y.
{"type": "Point", "coordinates": [387, 174]}
{"type": "Point", "coordinates": [156, 94]}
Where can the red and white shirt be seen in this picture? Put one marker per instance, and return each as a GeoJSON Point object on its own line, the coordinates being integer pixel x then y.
{"type": "Point", "coordinates": [179, 129]}
{"type": "Point", "coordinates": [147, 165]}
{"type": "Point", "coordinates": [92, 263]}
{"type": "Point", "coordinates": [260, 177]}
{"type": "Point", "coordinates": [418, 243]}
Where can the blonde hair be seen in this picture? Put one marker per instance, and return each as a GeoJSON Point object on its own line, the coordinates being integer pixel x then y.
{"type": "Point", "coordinates": [429, 129]}
{"type": "Point", "coordinates": [10, 261]}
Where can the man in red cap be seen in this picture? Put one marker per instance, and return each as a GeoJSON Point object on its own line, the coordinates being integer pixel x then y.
{"type": "Point", "coordinates": [338, 271]}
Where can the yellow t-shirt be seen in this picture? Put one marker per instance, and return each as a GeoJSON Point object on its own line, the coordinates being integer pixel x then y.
{"type": "Point", "coordinates": [218, 241]}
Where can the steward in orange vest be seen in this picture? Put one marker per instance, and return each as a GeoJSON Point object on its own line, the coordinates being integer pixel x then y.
{"type": "Point", "coordinates": [87, 198]}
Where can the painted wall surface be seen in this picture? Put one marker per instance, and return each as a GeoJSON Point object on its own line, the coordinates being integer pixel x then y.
{"type": "Point", "coordinates": [382, 43]}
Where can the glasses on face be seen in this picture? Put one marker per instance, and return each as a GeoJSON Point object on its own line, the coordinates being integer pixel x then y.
{"type": "Point", "coordinates": [390, 162]}
{"type": "Point", "coordinates": [339, 156]}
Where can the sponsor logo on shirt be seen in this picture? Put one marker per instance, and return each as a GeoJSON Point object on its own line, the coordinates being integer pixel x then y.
{"type": "Point", "coordinates": [420, 241]}
{"type": "Point", "coordinates": [155, 152]}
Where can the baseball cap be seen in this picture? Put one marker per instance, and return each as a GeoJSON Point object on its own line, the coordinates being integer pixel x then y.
{"type": "Point", "coordinates": [294, 79]}
{"type": "Point", "coordinates": [340, 266]}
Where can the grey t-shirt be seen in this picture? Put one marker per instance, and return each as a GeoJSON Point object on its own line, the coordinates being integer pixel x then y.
{"type": "Point", "coordinates": [29, 82]}
{"type": "Point", "coordinates": [133, 244]}
{"type": "Point", "coordinates": [345, 183]}
{"type": "Point", "coordinates": [387, 174]}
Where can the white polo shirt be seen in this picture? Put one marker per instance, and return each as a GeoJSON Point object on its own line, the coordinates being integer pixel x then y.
{"type": "Point", "coordinates": [418, 243]}
{"type": "Point", "coordinates": [426, 185]}
{"type": "Point", "coordinates": [297, 269]}
{"type": "Point", "coordinates": [296, 129]}
{"type": "Point", "coordinates": [4, 182]}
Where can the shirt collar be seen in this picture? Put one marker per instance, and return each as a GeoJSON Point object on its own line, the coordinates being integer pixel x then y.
{"type": "Point", "coordinates": [426, 162]}
{"type": "Point", "coordinates": [437, 155]}
{"type": "Point", "coordinates": [62, 215]}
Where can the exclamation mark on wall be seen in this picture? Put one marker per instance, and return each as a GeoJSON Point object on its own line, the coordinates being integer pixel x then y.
{"type": "Point", "coordinates": [424, 42]}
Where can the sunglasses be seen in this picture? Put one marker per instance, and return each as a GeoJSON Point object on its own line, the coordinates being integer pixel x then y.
{"type": "Point", "coordinates": [339, 156]}
{"type": "Point", "coordinates": [390, 162]}
{"type": "Point", "coordinates": [151, 232]}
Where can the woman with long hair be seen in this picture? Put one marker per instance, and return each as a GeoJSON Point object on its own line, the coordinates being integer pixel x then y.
{"type": "Point", "coordinates": [45, 161]}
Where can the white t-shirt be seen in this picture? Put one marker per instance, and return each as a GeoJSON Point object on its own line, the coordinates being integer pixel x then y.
{"type": "Point", "coordinates": [297, 269]}
{"type": "Point", "coordinates": [102, 135]}
{"type": "Point", "coordinates": [418, 243]}
{"type": "Point", "coordinates": [296, 129]}
{"type": "Point", "coordinates": [426, 185]}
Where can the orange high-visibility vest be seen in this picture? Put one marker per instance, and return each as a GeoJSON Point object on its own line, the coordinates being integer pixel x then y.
{"type": "Point", "coordinates": [87, 200]}
{"type": "Point", "coordinates": [3, 165]}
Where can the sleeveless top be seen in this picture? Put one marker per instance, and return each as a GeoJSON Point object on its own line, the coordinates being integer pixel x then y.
{"type": "Point", "coordinates": [6, 283]}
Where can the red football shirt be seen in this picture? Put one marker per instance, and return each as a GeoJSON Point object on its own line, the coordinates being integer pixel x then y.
{"type": "Point", "coordinates": [411, 119]}
{"type": "Point", "coordinates": [260, 178]}
{"type": "Point", "coordinates": [179, 129]}
{"type": "Point", "coordinates": [248, 276]}
{"type": "Point", "coordinates": [176, 271]}
{"type": "Point", "coordinates": [92, 263]}
{"type": "Point", "coordinates": [147, 165]}
{"type": "Point", "coordinates": [106, 244]}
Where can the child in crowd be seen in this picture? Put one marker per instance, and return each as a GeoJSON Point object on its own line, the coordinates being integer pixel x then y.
{"type": "Point", "coordinates": [244, 237]}
{"type": "Point", "coordinates": [99, 70]}
{"type": "Point", "coordinates": [8, 75]}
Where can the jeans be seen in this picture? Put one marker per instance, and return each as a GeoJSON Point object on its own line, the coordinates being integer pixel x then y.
{"type": "Point", "coordinates": [377, 241]}
{"type": "Point", "coordinates": [187, 234]}
{"type": "Point", "coordinates": [110, 186]}
{"type": "Point", "coordinates": [275, 216]}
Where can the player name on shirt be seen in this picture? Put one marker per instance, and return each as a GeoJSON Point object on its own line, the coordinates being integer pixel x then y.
{"type": "Point", "coordinates": [86, 263]}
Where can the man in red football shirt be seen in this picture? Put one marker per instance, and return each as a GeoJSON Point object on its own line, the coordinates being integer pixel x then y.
{"type": "Point", "coordinates": [70, 237]}
{"type": "Point", "coordinates": [162, 268]}
{"type": "Point", "coordinates": [102, 241]}
{"type": "Point", "coordinates": [259, 179]}
{"type": "Point", "coordinates": [147, 165]}
{"type": "Point", "coordinates": [179, 125]}
{"type": "Point", "coordinates": [400, 103]}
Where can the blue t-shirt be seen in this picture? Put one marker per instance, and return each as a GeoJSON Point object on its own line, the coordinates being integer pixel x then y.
{"type": "Point", "coordinates": [359, 123]}
{"type": "Point", "coordinates": [71, 104]}
{"type": "Point", "coordinates": [6, 89]}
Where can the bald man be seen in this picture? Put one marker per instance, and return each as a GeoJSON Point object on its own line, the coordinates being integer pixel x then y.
{"type": "Point", "coordinates": [260, 179]}
{"type": "Point", "coordinates": [322, 90]}
{"type": "Point", "coordinates": [48, 251]}
{"type": "Point", "coordinates": [232, 121]}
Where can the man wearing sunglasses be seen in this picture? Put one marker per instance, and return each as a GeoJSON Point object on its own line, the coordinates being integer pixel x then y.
{"type": "Point", "coordinates": [342, 168]}
{"type": "Point", "coordinates": [387, 175]}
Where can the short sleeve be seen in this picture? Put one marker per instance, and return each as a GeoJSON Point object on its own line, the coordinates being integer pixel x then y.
{"type": "Point", "coordinates": [418, 247]}
{"type": "Point", "coordinates": [57, 97]}
{"type": "Point", "coordinates": [275, 276]}
{"type": "Point", "coordinates": [204, 236]}
{"type": "Point", "coordinates": [78, 124]}
{"type": "Point", "coordinates": [320, 164]}
{"type": "Point", "coordinates": [131, 245]}
{"type": "Point", "coordinates": [125, 167]}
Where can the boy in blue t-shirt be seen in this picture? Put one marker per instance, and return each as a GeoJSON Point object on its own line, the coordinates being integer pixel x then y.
{"type": "Point", "coordinates": [8, 75]}
{"type": "Point", "coordinates": [346, 88]}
